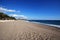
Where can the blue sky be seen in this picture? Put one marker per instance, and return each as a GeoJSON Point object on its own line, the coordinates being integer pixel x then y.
{"type": "Point", "coordinates": [32, 9]}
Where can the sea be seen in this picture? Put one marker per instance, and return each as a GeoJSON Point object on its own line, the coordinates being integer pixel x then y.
{"type": "Point", "coordinates": [54, 23]}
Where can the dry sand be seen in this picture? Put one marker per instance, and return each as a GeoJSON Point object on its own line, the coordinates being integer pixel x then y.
{"type": "Point", "coordinates": [21, 30]}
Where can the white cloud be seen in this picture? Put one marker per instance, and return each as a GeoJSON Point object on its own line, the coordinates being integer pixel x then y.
{"type": "Point", "coordinates": [7, 10]}
{"type": "Point", "coordinates": [19, 16]}
{"type": "Point", "coordinates": [13, 15]}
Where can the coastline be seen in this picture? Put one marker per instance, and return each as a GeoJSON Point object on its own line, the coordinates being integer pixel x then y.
{"type": "Point", "coordinates": [56, 26]}
{"type": "Point", "coordinates": [22, 30]}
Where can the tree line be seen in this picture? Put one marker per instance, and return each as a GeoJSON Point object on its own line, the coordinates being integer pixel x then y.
{"type": "Point", "coordinates": [6, 17]}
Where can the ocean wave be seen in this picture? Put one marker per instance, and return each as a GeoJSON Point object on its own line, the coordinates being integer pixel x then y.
{"type": "Point", "coordinates": [58, 26]}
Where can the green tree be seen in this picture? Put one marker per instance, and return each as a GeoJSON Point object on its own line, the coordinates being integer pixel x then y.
{"type": "Point", "coordinates": [5, 16]}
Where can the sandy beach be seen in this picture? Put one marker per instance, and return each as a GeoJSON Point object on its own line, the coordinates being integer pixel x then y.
{"type": "Point", "coordinates": [22, 30]}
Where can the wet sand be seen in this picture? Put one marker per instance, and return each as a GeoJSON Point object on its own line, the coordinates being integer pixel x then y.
{"type": "Point", "coordinates": [21, 30]}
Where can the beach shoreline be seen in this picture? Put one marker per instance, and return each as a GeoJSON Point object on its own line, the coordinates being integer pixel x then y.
{"type": "Point", "coordinates": [47, 24]}
{"type": "Point", "coordinates": [20, 30]}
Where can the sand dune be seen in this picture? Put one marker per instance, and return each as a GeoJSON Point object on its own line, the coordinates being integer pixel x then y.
{"type": "Point", "coordinates": [21, 30]}
{"type": "Point", "coordinates": [6, 20]}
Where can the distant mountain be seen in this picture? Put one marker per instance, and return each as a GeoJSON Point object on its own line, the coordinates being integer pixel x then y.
{"type": "Point", "coordinates": [6, 17]}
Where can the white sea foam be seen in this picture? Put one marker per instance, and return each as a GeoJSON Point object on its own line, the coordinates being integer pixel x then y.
{"type": "Point", "coordinates": [52, 25]}
{"type": "Point", "coordinates": [26, 21]}
{"type": "Point", "coordinates": [58, 26]}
